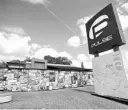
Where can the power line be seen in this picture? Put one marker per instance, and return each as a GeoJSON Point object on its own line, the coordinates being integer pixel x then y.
{"type": "Point", "coordinates": [57, 17]}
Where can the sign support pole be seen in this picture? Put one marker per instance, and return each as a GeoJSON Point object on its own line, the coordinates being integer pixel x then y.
{"type": "Point", "coordinates": [96, 54]}
{"type": "Point", "coordinates": [115, 49]}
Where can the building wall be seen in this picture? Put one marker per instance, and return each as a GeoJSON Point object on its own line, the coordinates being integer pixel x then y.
{"type": "Point", "coordinates": [34, 80]}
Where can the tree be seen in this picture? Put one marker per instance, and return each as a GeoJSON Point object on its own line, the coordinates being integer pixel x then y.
{"type": "Point", "coordinates": [58, 60]}
{"type": "Point", "coordinates": [15, 61]}
{"type": "Point", "coordinates": [28, 59]}
{"type": "Point", "coordinates": [3, 63]}
{"type": "Point", "coordinates": [50, 59]}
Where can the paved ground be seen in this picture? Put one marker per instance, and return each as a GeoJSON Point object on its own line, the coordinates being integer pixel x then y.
{"type": "Point", "coordinates": [70, 98]}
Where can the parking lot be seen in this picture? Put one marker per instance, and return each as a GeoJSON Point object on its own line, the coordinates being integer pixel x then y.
{"type": "Point", "coordinates": [69, 98]}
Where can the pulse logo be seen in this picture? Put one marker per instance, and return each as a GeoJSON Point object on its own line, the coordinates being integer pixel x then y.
{"type": "Point", "coordinates": [103, 30]}
{"type": "Point", "coordinates": [98, 26]}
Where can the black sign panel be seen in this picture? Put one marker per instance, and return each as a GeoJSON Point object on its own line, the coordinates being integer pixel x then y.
{"type": "Point", "coordinates": [104, 31]}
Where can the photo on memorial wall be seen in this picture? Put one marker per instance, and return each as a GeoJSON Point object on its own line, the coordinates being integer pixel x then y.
{"type": "Point", "coordinates": [61, 78]}
{"type": "Point", "coordinates": [67, 80]}
{"type": "Point", "coordinates": [80, 79]}
{"type": "Point", "coordinates": [74, 79]}
{"type": "Point", "coordinates": [52, 77]}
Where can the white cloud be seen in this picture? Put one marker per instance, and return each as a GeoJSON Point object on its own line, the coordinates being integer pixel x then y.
{"type": "Point", "coordinates": [123, 15]}
{"type": "Point", "coordinates": [43, 2]}
{"type": "Point", "coordinates": [83, 30]}
{"type": "Point", "coordinates": [85, 59]}
{"type": "Point", "coordinates": [83, 20]}
{"type": "Point", "coordinates": [9, 58]}
{"type": "Point", "coordinates": [16, 30]}
{"type": "Point", "coordinates": [14, 44]}
{"type": "Point", "coordinates": [76, 63]}
{"type": "Point", "coordinates": [35, 46]}
{"type": "Point", "coordinates": [120, 2]}
{"type": "Point", "coordinates": [125, 6]}
{"type": "Point", "coordinates": [65, 54]}
{"type": "Point", "coordinates": [82, 57]}
{"type": "Point", "coordinates": [46, 46]}
{"type": "Point", "coordinates": [88, 64]}
{"type": "Point", "coordinates": [40, 53]}
{"type": "Point", "coordinates": [123, 9]}
{"type": "Point", "coordinates": [46, 51]}
{"type": "Point", "coordinates": [123, 20]}
{"type": "Point", "coordinates": [81, 23]}
{"type": "Point", "coordinates": [74, 41]}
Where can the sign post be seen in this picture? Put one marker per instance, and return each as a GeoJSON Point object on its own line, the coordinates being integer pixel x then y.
{"type": "Point", "coordinates": [104, 33]}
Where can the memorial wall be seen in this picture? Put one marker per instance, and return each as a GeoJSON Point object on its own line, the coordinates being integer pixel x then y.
{"type": "Point", "coordinates": [38, 80]}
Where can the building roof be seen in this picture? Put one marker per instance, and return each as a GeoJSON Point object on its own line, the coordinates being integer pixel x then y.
{"type": "Point", "coordinates": [59, 67]}
{"type": "Point", "coordinates": [66, 68]}
{"type": "Point", "coordinates": [16, 63]}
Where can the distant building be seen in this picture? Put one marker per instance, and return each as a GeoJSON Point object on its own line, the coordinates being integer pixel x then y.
{"type": "Point", "coordinates": [38, 64]}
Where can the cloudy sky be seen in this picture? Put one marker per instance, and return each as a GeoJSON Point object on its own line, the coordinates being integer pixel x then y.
{"type": "Point", "coordinates": [37, 28]}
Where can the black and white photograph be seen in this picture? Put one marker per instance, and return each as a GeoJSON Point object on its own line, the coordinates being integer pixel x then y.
{"type": "Point", "coordinates": [63, 54]}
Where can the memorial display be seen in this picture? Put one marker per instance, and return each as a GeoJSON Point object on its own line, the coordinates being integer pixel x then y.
{"type": "Point", "coordinates": [61, 79]}
{"type": "Point", "coordinates": [74, 79]}
{"type": "Point", "coordinates": [14, 79]}
{"type": "Point", "coordinates": [67, 79]}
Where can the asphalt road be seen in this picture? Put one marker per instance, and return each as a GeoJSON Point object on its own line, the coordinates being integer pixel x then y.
{"type": "Point", "coordinates": [69, 98]}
